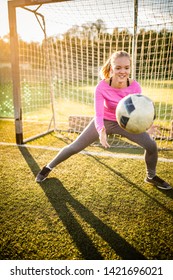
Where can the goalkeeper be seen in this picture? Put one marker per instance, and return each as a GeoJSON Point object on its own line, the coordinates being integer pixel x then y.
{"type": "Point", "coordinates": [115, 84]}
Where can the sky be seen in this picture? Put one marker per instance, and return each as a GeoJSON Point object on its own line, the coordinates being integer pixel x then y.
{"type": "Point", "coordinates": [70, 13]}
{"type": "Point", "coordinates": [66, 15]}
{"type": "Point", "coordinates": [23, 29]}
{"type": "Point", "coordinates": [4, 29]}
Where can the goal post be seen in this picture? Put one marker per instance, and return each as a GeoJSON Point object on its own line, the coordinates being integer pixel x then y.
{"type": "Point", "coordinates": [54, 77]}
{"type": "Point", "coordinates": [15, 72]}
{"type": "Point", "coordinates": [134, 42]}
{"type": "Point", "coordinates": [12, 5]}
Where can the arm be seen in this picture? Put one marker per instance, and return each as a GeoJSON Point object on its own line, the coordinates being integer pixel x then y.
{"type": "Point", "coordinates": [154, 129]}
{"type": "Point", "coordinates": [103, 138]}
{"type": "Point", "coordinates": [99, 115]}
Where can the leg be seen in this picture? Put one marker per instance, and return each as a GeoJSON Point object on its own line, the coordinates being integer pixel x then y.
{"type": "Point", "coordinates": [151, 154]}
{"type": "Point", "coordinates": [87, 137]}
{"type": "Point", "coordinates": [142, 139]}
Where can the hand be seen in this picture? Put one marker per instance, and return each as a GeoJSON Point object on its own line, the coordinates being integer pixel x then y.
{"type": "Point", "coordinates": [154, 130]}
{"type": "Point", "coordinates": [103, 138]}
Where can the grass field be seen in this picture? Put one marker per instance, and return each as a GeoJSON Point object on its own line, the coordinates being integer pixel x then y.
{"type": "Point", "coordinates": [91, 207]}
{"type": "Point", "coordinates": [77, 98]}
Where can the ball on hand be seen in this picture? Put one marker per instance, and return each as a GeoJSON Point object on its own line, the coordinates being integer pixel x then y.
{"type": "Point", "coordinates": [135, 113]}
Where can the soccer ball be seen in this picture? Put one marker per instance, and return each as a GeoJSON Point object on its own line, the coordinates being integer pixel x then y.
{"type": "Point", "coordinates": [135, 113]}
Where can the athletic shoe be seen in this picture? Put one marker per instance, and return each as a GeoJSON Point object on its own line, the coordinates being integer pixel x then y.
{"type": "Point", "coordinates": [158, 182]}
{"type": "Point", "coordinates": [42, 175]}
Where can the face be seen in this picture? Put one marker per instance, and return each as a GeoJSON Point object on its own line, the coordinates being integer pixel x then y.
{"type": "Point", "coordinates": [121, 69]}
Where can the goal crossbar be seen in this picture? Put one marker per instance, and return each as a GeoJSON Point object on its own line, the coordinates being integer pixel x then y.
{"type": "Point", "coordinates": [59, 73]}
{"type": "Point", "coordinates": [22, 3]}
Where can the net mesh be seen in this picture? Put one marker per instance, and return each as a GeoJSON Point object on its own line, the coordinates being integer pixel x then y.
{"type": "Point", "coordinates": [60, 68]}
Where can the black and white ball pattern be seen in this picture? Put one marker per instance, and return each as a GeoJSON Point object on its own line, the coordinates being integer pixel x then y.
{"type": "Point", "coordinates": [135, 113]}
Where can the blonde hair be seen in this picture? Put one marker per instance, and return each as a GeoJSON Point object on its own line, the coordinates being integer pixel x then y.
{"type": "Point", "coordinates": [105, 70]}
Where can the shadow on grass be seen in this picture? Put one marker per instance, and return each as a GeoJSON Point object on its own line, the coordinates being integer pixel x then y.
{"type": "Point", "coordinates": [169, 193]}
{"type": "Point", "coordinates": [62, 201]}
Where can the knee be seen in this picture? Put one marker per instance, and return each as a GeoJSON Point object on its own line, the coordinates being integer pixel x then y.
{"type": "Point", "coordinates": [152, 147]}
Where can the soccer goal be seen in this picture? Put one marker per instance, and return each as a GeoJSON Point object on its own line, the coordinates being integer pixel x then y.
{"type": "Point", "coordinates": [54, 75]}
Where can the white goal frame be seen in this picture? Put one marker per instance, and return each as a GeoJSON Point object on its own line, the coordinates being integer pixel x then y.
{"type": "Point", "coordinates": [77, 120]}
{"type": "Point", "coordinates": [12, 5]}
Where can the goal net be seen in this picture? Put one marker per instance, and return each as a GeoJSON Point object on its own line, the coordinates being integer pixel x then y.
{"type": "Point", "coordinates": [59, 67]}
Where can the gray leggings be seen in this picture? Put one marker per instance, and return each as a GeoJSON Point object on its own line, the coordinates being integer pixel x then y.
{"type": "Point", "coordinates": [90, 134]}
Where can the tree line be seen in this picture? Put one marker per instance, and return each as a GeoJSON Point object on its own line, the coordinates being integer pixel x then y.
{"type": "Point", "coordinates": [92, 40]}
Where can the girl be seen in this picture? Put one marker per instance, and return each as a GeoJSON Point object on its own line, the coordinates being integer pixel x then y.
{"type": "Point", "coordinates": [115, 85]}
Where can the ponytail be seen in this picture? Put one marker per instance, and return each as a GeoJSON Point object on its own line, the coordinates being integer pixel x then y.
{"type": "Point", "coordinates": [105, 70]}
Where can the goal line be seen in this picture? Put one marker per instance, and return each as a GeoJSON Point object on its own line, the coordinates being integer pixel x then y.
{"type": "Point", "coordinates": [99, 154]}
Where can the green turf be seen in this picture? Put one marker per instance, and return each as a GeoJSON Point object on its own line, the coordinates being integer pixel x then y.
{"type": "Point", "coordinates": [91, 207]}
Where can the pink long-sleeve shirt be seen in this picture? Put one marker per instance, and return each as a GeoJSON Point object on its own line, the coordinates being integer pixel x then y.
{"type": "Point", "coordinates": [106, 100]}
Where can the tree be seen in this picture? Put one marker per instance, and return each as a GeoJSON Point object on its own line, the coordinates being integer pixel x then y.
{"type": "Point", "coordinates": [4, 49]}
